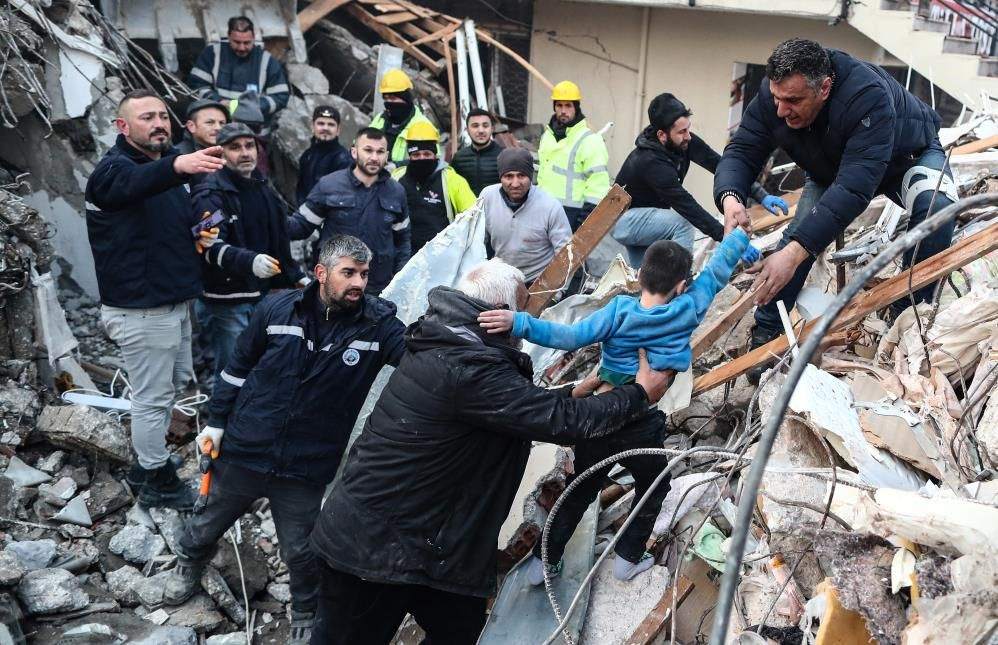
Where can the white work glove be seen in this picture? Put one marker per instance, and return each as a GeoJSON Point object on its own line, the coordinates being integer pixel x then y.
{"type": "Point", "coordinates": [265, 266]}
{"type": "Point", "coordinates": [214, 435]}
{"type": "Point", "coordinates": [304, 282]}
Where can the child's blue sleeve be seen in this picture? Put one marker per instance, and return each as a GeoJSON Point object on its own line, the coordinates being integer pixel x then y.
{"type": "Point", "coordinates": [718, 270]}
{"type": "Point", "coordinates": [595, 328]}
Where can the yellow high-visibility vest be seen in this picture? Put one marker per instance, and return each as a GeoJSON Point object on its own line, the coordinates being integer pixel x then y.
{"type": "Point", "coordinates": [574, 170]}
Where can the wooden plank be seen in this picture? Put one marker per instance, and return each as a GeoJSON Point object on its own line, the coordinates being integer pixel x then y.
{"type": "Point", "coordinates": [924, 273]}
{"type": "Point", "coordinates": [395, 17]}
{"type": "Point", "coordinates": [454, 119]}
{"type": "Point", "coordinates": [722, 325]}
{"type": "Point", "coordinates": [484, 35]}
{"type": "Point", "coordinates": [316, 11]}
{"type": "Point", "coordinates": [415, 32]}
{"type": "Point", "coordinates": [976, 146]}
{"type": "Point", "coordinates": [441, 34]}
{"type": "Point", "coordinates": [661, 614]}
{"type": "Point", "coordinates": [763, 220]}
{"type": "Point", "coordinates": [570, 258]}
{"type": "Point", "coordinates": [390, 36]}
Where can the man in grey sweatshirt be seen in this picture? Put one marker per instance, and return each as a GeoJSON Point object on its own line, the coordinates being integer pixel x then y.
{"type": "Point", "coordinates": [524, 226]}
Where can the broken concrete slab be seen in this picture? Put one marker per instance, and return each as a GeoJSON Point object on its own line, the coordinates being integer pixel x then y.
{"type": "Point", "coordinates": [75, 512]}
{"type": "Point", "coordinates": [24, 475]}
{"type": "Point", "coordinates": [49, 591]}
{"type": "Point", "coordinates": [198, 613]}
{"type": "Point", "coordinates": [213, 582]}
{"type": "Point", "coordinates": [121, 583]}
{"type": "Point", "coordinates": [610, 621]}
{"type": "Point", "coordinates": [11, 569]}
{"type": "Point", "coordinates": [280, 591]}
{"type": "Point", "coordinates": [33, 554]}
{"type": "Point", "coordinates": [308, 79]}
{"type": "Point", "coordinates": [235, 638]}
{"type": "Point", "coordinates": [92, 634]}
{"type": "Point", "coordinates": [79, 427]}
{"type": "Point", "coordinates": [52, 462]}
{"type": "Point", "coordinates": [137, 544]}
{"type": "Point", "coordinates": [59, 492]}
{"type": "Point", "coordinates": [128, 625]}
{"type": "Point", "coordinates": [170, 526]}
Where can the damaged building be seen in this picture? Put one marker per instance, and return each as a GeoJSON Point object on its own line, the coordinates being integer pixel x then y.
{"type": "Point", "coordinates": [873, 504]}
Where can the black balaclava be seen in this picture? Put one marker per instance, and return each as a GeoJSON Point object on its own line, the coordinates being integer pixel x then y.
{"type": "Point", "coordinates": [398, 114]}
{"type": "Point", "coordinates": [559, 129]}
{"type": "Point", "coordinates": [421, 169]}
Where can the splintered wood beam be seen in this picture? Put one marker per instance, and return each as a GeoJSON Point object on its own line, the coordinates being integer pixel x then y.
{"type": "Point", "coordinates": [390, 36]}
{"type": "Point", "coordinates": [316, 11]}
{"type": "Point", "coordinates": [570, 258]}
{"type": "Point", "coordinates": [661, 614]}
{"type": "Point", "coordinates": [442, 34]}
{"type": "Point", "coordinates": [722, 325]}
{"type": "Point", "coordinates": [923, 274]}
{"type": "Point", "coordinates": [976, 146]}
{"type": "Point", "coordinates": [415, 32]}
{"type": "Point", "coordinates": [395, 17]}
{"type": "Point", "coordinates": [452, 144]}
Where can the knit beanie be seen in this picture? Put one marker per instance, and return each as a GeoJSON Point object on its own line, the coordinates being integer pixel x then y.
{"type": "Point", "coordinates": [663, 111]}
{"type": "Point", "coordinates": [516, 160]}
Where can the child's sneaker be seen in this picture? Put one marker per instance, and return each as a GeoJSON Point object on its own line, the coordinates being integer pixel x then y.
{"type": "Point", "coordinates": [535, 570]}
{"type": "Point", "coordinates": [626, 570]}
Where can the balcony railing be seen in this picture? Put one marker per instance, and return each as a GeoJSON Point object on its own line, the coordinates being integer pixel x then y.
{"type": "Point", "coordinates": [975, 19]}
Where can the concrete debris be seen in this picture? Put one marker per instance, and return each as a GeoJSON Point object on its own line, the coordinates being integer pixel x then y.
{"type": "Point", "coordinates": [49, 591]}
{"type": "Point", "coordinates": [75, 512]}
{"type": "Point", "coordinates": [11, 569]}
{"type": "Point", "coordinates": [198, 613]}
{"type": "Point", "coordinates": [24, 475]}
{"type": "Point", "coordinates": [80, 427]}
{"type": "Point", "coordinates": [235, 638]}
{"type": "Point", "coordinates": [33, 554]}
{"type": "Point", "coordinates": [279, 591]}
{"type": "Point", "coordinates": [213, 583]}
{"type": "Point", "coordinates": [137, 544]}
{"type": "Point", "coordinates": [58, 493]}
{"type": "Point", "coordinates": [122, 584]}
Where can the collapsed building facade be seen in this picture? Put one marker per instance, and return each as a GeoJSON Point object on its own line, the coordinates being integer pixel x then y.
{"type": "Point", "coordinates": [876, 516]}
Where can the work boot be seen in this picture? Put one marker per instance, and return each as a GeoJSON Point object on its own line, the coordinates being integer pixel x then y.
{"type": "Point", "coordinates": [301, 627]}
{"type": "Point", "coordinates": [162, 488]}
{"type": "Point", "coordinates": [183, 581]}
{"type": "Point", "coordinates": [760, 336]}
{"type": "Point", "coordinates": [535, 570]}
{"type": "Point", "coordinates": [136, 476]}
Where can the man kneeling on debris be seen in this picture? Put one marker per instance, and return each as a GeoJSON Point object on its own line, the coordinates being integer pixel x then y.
{"type": "Point", "coordinates": [413, 525]}
{"type": "Point", "coordinates": [139, 221]}
{"type": "Point", "coordinates": [285, 405]}
{"type": "Point", "coordinates": [662, 319]}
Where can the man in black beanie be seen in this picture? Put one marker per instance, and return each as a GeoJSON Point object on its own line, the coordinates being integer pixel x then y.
{"type": "Point", "coordinates": [653, 174]}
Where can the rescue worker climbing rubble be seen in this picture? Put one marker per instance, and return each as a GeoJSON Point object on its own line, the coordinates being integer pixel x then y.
{"type": "Point", "coordinates": [572, 159]}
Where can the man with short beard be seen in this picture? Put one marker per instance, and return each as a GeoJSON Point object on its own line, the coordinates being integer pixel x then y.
{"type": "Point", "coordinates": [282, 413]}
{"type": "Point", "coordinates": [653, 174]}
{"type": "Point", "coordinates": [478, 162]}
{"type": "Point", "coordinates": [325, 155]}
{"type": "Point", "coordinates": [139, 220]}
{"type": "Point", "coordinates": [253, 254]}
{"type": "Point", "coordinates": [363, 201]}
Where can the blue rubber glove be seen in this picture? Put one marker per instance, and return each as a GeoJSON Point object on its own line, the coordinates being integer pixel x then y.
{"type": "Point", "coordinates": [772, 202]}
{"type": "Point", "coordinates": [751, 255]}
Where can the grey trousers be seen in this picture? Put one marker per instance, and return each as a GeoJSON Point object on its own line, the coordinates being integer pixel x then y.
{"type": "Point", "coordinates": [155, 344]}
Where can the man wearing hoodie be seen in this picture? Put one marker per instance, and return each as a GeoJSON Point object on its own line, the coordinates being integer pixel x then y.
{"type": "Point", "coordinates": [401, 113]}
{"type": "Point", "coordinates": [653, 174]}
{"type": "Point", "coordinates": [434, 191]}
{"type": "Point", "coordinates": [412, 526]}
{"type": "Point", "coordinates": [572, 158]}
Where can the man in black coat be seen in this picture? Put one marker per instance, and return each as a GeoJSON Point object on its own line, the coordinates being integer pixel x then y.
{"type": "Point", "coordinates": [857, 133]}
{"type": "Point", "coordinates": [653, 173]}
{"type": "Point", "coordinates": [139, 223]}
{"type": "Point", "coordinates": [282, 412]}
{"type": "Point", "coordinates": [479, 161]}
{"type": "Point", "coordinates": [413, 525]}
{"type": "Point", "coordinates": [325, 155]}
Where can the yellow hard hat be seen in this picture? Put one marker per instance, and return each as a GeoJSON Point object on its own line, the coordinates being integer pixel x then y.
{"type": "Point", "coordinates": [422, 131]}
{"type": "Point", "coordinates": [566, 91]}
{"type": "Point", "coordinates": [394, 80]}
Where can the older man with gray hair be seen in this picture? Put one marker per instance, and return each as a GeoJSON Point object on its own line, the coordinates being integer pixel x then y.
{"type": "Point", "coordinates": [412, 527]}
{"type": "Point", "coordinates": [285, 405]}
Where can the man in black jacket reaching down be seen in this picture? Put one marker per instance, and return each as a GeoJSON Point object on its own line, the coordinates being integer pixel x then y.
{"type": "Point", "coordinates": [282, 413]}
{"type": "Point", "coordinates": [857, 133]}
{"type": "Point", "coordinates": [252, 254]}
{"type": "Point", "coordinates": [653, 174]}
{"type": "Point", "coordinates": [139, 223]}
{"type": "Point", "coordinates": [412, 526]}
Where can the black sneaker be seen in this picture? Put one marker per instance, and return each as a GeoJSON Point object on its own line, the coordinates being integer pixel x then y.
{"type": "Point", "coordinates": [301, 627]}
{"type": "Point", "coordinates": [760, 337]}
{"type": "Point", "coordinates": [182, 583]}
{"type": "Point", "coordinates": [162, 488]}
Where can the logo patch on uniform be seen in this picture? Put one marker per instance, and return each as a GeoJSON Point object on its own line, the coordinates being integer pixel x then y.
{"type": "Point", "coordinates": [432, 197]}
{"type": "Point", "coordinates": [866, 122]}
{"type": "Point", "coordinates": [351, 357]}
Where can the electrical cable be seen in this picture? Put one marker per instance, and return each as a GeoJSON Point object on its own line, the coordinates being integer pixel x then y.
{"type": "Point", "coordinates": [739, 535]}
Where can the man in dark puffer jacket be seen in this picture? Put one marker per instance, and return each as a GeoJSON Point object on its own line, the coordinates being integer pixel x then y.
{"type": "Point", "coordinates": [857, 133]}
{"type": "Point", "coordinates": [412, 526]}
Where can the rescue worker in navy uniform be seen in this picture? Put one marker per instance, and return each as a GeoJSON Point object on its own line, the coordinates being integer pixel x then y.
{"type": "Point", "coordinates": [224, 71]}
{"type": "Point", "coordinates": [325, 155]}
{"type": "Point", "coordinates": [281, 416]}
{"type": "Point", "coordinates": [857, 133]}
{"type": "Point", "coordinates": [363, 201]}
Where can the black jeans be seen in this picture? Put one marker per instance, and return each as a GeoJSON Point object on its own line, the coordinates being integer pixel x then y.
{"type": "Point", "coordinates": [295, 506]}
{"type": "Point", "coordinates": [646, 432]}
{"type": "Point", "coordinates": [352, 610]}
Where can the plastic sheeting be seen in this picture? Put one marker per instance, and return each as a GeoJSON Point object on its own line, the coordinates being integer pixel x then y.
{"type": "Point", "coordinates": [53, 328]}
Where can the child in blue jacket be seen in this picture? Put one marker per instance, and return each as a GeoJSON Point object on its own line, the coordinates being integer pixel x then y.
{"type": "Point", "coordinates": [661, 320]}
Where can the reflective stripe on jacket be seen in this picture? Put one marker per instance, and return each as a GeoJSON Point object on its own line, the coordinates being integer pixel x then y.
{"type": "Point", "coordinates": [574, 170]}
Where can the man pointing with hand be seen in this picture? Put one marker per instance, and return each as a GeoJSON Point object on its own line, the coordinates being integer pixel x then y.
{"type": "Point", "coordinates": [139, 221]}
